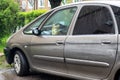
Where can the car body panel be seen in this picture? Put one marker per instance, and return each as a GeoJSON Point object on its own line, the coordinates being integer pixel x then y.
{"type": "Point", "coordinates": [85, 57]}
{"type": "Point", "coordinates": [89, 56]}
{"type": "Point", "coordinates": [47, 53]}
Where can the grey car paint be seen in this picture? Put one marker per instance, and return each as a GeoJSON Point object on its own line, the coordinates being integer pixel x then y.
{"type": "Point", "coordinates": [86, 57]}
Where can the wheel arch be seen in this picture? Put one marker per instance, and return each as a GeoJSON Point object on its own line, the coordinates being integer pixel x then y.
{"type": "Point", "coordinates": [117, 74]}
{"type": "Point", "coordinates": [12, 51]}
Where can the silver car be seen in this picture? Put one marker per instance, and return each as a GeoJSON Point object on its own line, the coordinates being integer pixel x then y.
{"type": "Point", "coordinates": [79, 40]}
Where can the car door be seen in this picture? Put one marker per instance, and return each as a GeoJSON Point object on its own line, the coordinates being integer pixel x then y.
{"type": "Point", "coordinates": [91, 49]}
{"type": "Point", "coordinates": [26, 34]}
{"type": "Point", "coordinates": [47, 48]}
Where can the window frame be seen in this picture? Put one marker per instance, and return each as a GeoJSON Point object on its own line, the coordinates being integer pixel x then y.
{"type": "Point", "coordinates": [96, 4]}
{"type": "Point", "coordinates": [56, 10]}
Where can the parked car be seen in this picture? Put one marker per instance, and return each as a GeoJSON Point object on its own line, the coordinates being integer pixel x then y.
{"type": "Point", "coordinates": [79, 40]}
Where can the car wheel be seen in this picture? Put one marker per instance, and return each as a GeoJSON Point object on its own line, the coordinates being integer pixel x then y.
{"type": "Point", "coordinates": [20, 64]}
{"type": "Point", "coordinates": [118, 78]}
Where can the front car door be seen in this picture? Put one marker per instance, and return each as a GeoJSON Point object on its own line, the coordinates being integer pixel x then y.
{"type": "Point", "coordinates": [91, 49]}
{"type": "Point", "coordinates": [27, 35]}
{"type": "Point", "coordinates": [47, 48]}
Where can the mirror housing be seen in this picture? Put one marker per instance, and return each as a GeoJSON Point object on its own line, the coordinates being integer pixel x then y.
{"type": "Point", "coordinates": [36, 32]}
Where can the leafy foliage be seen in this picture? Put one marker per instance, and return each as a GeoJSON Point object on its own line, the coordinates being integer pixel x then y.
{"type": "Point", "coordinates": [21, 19]}
{"type": "Point", "coordinates": [8, 16]}
{"type": "Point", "coordinates": [11, 18]}
{"type": "Point", "coordinates": [26, 17]}
{"type": "Point", "coordinates": [3, 43]}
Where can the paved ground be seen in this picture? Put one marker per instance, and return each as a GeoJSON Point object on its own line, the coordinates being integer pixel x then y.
{"type": "Point", "coordinates": [10, 75]}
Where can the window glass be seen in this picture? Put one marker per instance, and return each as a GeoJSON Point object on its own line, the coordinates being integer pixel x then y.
{"type": "Point", "coordinates": [94, 20]}
{"type": "Point", "coordinates": [31, 2]}
{"type": "Point", "coordinates": [36, 24]}
{"type": "Point", "coordinates": [49, 4]}
{"type": "Point", "coordinates": [76, 0]}
{"type": "Point", "coordinates": [68, 1]}
{"type": "Point", "coordinates": [40, 3]}
{"type": "Point", "coordinates": [59, 22]}
{"type": "Point", "coordinates": [116, 11]}
{"type": "Point", "coordinates": [24, 4]}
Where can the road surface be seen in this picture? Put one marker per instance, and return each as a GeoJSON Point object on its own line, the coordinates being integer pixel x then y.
{"type": "Point", "coordinates": [10, 75]}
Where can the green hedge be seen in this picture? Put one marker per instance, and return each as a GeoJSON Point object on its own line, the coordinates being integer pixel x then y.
{"type": "Point", "coordinates": [26, 17]}
{"type": "Point", "coordinates": [8, 17]}
{"type": "Point", "coordinates": [14, 22]}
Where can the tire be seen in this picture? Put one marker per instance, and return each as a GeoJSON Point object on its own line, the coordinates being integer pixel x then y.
{"type": "Point", "coordinates": [20, 64]}
{"type": "Point", "coordinates": [118, 78]}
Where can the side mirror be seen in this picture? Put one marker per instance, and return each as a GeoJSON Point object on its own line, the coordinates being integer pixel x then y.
{"type": "Point", "coordinates": [36, 32]}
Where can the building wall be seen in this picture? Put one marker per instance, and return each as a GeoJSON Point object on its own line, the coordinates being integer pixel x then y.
{"type": "Point", "coordinates": [26, 6]}
{"type": "Point", "coordinates": [46, 6]}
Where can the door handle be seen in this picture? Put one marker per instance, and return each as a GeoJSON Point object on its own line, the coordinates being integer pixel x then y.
{"type": "Point", "coordinates": [106, 42]}
{"type": "Point", "coordinates": [59, 42]}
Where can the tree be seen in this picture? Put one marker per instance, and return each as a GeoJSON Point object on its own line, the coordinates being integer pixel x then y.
{"type": "Point", "coordinates": [8, 16]}
{"type": "Point", "coordinates": [55, 3]}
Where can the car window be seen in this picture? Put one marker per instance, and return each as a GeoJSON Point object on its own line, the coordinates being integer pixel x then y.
{"type": "Point", "coordinates": [36, 24]}
{"type": "Point", "coordinates": [94, 20]}
{"type": "Point", "coordinates": [59, 22]}
{"type": "Point", "coordinates": [116, 11]}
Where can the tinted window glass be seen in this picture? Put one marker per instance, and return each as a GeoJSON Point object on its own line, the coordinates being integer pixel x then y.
{"type": "Point", "coordinates": [116, 11]}
{"type": "Point", "coordinates": [59, 22]}
{"type": "Point", "coordinates": [94, 20]}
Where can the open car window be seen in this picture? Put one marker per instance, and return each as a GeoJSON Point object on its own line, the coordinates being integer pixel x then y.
{"type": "Point", "coordinates": [35, 24]}
{"type": "Point", "coordinates": [59, 22]}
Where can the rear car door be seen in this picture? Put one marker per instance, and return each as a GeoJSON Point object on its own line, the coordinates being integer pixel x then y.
{"type": "Point", "coordinates": [91, 49]}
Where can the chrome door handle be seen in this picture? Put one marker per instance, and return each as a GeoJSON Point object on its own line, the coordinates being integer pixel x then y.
{"type": "Point", "coordinates": [59, 42]}
{"type": "Point", "coordinates": [106, 42]}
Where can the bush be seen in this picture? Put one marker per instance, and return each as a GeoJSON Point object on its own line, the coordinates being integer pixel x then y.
{"type": "Point", "coordinates": [3, 43]}
{"type": "Point", "coordinates": [8, 16]}
{"type": "Point", "coordinates": [11, 22]}
{"type": "Point", "coordinates": [26, 17]}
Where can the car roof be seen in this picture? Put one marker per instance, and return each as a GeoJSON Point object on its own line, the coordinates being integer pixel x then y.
{"type": "Point", "coordinates": [114, 3]}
